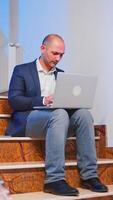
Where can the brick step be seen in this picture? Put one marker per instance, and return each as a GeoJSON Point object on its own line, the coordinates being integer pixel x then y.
{"type": "Point", "coordinates": [9, 138]}
{"type": "Point", "coordinates": [18, 149]}
{"type": "Point", "coordinates": [5, 112]}
{"type": "Point", "coordinates": [4, 120]}
{"type": "Point", "coordinates": [29, 177]}
{"type": "Point", "coordinates": [41, 164]}
{"type": "Point", "coordinates": [4, 106]}
{"type": "Point", "coordinates": [84, 194]}
{"type": "Point", "coordinates": [5, 116]}
{"type": "Point", "coordinates": [23, 145]}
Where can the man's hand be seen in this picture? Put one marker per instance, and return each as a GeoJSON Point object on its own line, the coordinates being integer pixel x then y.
{"type": "Point", "coordinates": [48, 100]}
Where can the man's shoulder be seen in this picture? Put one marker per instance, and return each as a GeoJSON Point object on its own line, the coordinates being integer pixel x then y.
{"type": "Point", "coordinates": [25, 65]}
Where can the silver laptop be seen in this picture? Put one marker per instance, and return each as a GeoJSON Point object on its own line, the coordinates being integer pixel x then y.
{"type": "Point", "coordinates": [73, 91]}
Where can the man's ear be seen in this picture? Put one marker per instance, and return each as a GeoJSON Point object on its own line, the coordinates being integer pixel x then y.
{"type": "Point", "coordinates": [43, 48]}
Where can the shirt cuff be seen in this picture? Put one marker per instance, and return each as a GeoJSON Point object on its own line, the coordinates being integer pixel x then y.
{"type": "Point", "coordinates": [43, 101]}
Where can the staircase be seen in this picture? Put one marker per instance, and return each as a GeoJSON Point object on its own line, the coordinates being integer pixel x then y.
{"type": "Point", "coordinates": [22, 163]}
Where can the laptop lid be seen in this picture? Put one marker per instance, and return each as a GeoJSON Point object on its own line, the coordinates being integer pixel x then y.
{"type": "Point", "coordinates": [73, 91]}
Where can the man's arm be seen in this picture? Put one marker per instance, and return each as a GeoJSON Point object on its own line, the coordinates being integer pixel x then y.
{"type": "Point", "coordinates": [22, 93]}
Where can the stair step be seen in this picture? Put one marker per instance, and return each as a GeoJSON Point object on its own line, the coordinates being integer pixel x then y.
{"type": "Point", "coordinates": [5, 108]}
{"type": "Point", "coordinates": [3, 125]}
{"type": "Point", "coordinates": [33, 149]}
{"type": "Point", "coordinates": [29, 177]}
{"type": "Point", "coordinates": [84, 194]}
{"type": "Point", "coordinates": [9, 138]}
{"type": "Point", "coordinates": [5, 115]}
{"type": "Point", "coordinates": [40, 164]}
{"type": "Point", "coordinates": [3, 97]}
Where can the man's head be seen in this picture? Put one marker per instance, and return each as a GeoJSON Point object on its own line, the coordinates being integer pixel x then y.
{"type": "Point", "coordinates": [52, 50]}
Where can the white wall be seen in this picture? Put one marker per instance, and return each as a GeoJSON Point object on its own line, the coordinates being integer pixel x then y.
{"type": "Point", "coordinates": [41, 18]}
{"type": "Point", "coordinates": [4, 44]}
{"type": "Point", "coordinates": [91, 39]}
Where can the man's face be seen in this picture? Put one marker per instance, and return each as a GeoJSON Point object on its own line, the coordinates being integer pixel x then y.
{"type": "Point", "coordinates": [52, 53]}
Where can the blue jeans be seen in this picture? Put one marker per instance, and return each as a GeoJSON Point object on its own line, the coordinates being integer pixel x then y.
{"type": "Point", "coordinates": [55, 126]}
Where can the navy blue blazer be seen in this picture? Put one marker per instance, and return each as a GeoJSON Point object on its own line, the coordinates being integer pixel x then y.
{"type": "Point", "coordinates": [24, 93]}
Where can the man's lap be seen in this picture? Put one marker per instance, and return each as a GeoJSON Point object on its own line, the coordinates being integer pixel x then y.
{"type": "Point", "coordinates": [37, 121]}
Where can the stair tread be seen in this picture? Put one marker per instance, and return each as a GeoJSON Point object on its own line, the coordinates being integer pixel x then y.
{"type": "Point", "coordinates": [5, 115]}
{"type": "Point", "coordinates": [7, 138]}
{"type": "Point", "coordinates": [41, 164]}
{"type": "Point", "coordinates": [3, 97]}
{"type": "Point", "coordinates": [84, 193]}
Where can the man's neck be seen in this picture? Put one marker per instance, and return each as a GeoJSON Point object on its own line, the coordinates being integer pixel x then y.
{"type": "Point", "coordinates": [45, 68]}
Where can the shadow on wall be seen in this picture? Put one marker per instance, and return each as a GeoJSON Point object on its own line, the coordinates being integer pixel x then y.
{"type": "Point", "coordinates": [3, 62]}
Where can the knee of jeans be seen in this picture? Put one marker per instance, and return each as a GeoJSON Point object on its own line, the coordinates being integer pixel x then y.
{"type": "Point", "coordinates": [62, 115]}
{"type": "Point", "coordinates": [85, 115]}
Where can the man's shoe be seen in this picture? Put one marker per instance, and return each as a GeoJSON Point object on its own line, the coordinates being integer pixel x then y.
{"type": "Point", "coordinates": [95, 185]}
{"type": "Point", "coordinates": [60, 188]}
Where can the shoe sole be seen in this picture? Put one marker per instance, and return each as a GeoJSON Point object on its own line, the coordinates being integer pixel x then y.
{"type": "Point", "coordinates": [89, 188]}
{"type": "Point", "coordinates": [70, 194]}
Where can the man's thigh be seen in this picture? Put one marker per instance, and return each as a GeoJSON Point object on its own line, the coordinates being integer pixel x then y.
{"type": "Point", "coordinates": [37, 123]}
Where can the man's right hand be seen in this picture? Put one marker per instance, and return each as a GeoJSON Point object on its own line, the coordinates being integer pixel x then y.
{"type": "Point", "coordinates": [48, 100]}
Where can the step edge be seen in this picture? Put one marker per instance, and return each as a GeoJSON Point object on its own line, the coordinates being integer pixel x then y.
{"type": "Point", "coordinates": [41, 164]}
{"type": "Point", "coordinates": [3, 97]}
{"type": "Point", "coordinates": [46, 196]}
{"type": "Point", "coordinates": [9, 138]}
{"type": "Point", "coordinates": [5, 116]}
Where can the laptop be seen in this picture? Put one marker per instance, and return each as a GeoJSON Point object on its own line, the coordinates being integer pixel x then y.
{"type": "Point", "coordinates": [73, 91]}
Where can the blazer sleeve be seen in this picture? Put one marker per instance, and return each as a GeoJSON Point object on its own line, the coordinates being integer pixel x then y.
{"type": "Point", "coordinates": [23, 94]}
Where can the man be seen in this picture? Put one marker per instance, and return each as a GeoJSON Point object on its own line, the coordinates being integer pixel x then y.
{"type": "Point", "coordinates": [33, 84]}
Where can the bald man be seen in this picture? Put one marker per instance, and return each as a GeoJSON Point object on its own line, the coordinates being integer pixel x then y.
{"type": "Point", "coordinates": [33, 84]}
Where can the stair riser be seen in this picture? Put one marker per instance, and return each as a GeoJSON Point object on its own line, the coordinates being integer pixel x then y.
{"type": "Point", "coordinates": [5, 107]}
{"type": "Point", "coordinates": [17, 151]}
{"type": "Point", "coordinates": [3, 125]}
{"type": "Point", "coordinates": [31, 180]}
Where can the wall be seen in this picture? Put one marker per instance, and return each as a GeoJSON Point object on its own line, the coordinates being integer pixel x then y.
{"type": "Point", "coordinates": [4, 31]}
{"type": "Point", "coordinates": [93, 46]}
{"type": "Point", "coordinates": [43, 17]}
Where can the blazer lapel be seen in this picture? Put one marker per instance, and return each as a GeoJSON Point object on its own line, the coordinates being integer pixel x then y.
{"type": "Point", "coordinates": [35, 77]}
{"type": "Point", "coordinates": [56, 72]}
